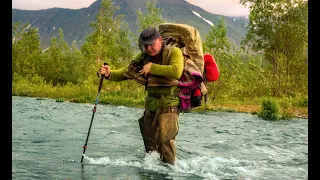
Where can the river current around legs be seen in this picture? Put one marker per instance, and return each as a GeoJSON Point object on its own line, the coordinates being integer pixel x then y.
{"type": "Point", "coordinates": [48, 139]}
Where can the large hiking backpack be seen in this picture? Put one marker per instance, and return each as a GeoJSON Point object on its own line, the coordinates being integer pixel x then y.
{"type": "Point", "coordinates": [191, 84]}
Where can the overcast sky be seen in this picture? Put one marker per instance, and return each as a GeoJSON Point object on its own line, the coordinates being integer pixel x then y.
{"type": "Point", "coordinates": [223, 7]}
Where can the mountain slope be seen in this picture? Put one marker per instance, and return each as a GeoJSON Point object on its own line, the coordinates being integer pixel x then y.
{"type": "Point", "coordinates": [75, 23]}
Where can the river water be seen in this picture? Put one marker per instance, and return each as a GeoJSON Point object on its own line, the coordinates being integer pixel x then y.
{"type": "Point", "coordinates": [48, 139]}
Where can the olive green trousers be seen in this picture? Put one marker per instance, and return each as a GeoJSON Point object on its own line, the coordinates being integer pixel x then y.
{"type": "Point", "coordinates": [158, 130]}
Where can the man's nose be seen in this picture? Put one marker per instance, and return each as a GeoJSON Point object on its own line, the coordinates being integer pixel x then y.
{"type": "Point", "coordinates": [147, 47]}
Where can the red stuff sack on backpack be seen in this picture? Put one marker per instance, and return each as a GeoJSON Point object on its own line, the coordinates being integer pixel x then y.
{"type": "Point", "coordinates": [211, 68]}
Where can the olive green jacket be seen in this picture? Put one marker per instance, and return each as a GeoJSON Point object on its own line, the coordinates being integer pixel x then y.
{"type": "Point", "coordinates": [166, 69]}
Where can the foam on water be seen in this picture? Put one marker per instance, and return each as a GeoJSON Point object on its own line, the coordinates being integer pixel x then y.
{"type": "Point", "coordinates": [204, 166]}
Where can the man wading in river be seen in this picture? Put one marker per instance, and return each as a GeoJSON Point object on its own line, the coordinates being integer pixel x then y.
{"type": "Point", "coordinates": [159, 124]}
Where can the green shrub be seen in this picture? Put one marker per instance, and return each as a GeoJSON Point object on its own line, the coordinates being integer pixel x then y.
{"type": "Point", "coordinates": [59, 99]}
{"type": "Point", "coordinates": [270, 110]}
{"type": "Point", "coordinates": [303, 102]}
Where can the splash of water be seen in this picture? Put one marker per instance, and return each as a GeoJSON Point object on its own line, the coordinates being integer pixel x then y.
{"type": "Point", "coordinates": [204, 166]}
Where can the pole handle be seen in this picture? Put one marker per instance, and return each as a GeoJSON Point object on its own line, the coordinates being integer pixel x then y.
{"type": "Point", "coordinates": [98, 74]}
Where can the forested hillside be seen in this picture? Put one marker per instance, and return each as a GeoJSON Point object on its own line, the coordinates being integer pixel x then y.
{"type": "Point", "coordinates": [76, 23]}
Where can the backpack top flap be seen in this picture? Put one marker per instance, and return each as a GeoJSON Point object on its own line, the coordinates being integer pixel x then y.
{"type": "Point", "coordinates": [185, 36]}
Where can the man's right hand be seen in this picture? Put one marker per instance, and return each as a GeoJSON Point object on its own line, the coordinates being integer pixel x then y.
{"type": "Point", "coordinates": [105, 69]}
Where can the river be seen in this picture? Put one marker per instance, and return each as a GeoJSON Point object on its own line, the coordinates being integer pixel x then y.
{"type": "Point", "coordinates": [48, 139]}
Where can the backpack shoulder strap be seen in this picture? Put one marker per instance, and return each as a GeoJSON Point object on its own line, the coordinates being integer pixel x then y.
{"type": "Point", "coordinates": [167, 52]}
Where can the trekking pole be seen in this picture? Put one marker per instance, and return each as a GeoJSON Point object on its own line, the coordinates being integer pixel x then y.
{"type": "Point", "coordinates": [93, 110]}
